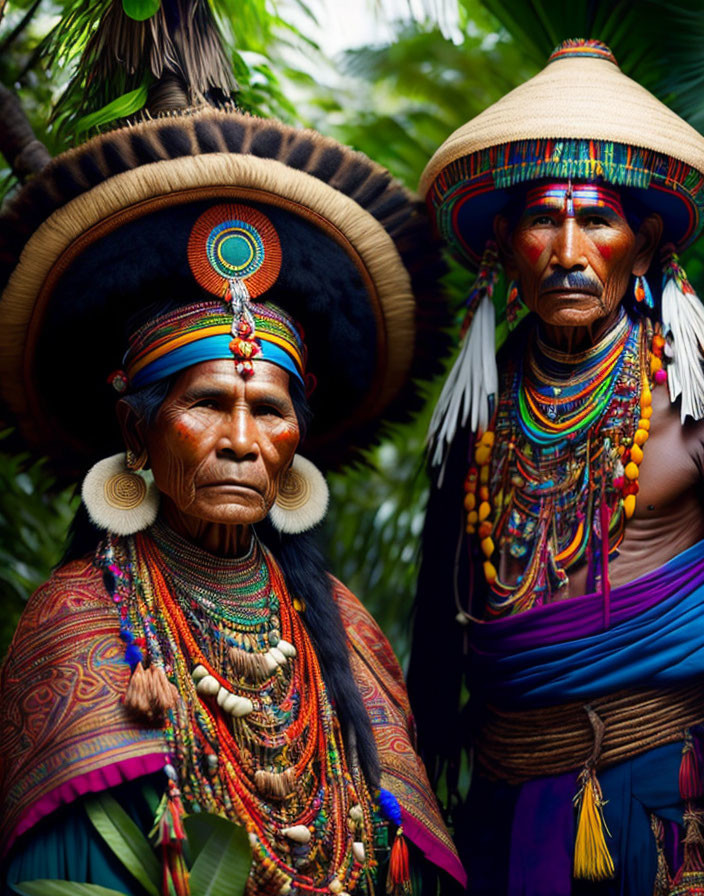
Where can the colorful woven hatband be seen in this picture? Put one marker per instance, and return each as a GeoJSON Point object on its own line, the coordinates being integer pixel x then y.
{"type": "Point", "coordinates": [579, 118]}
{"type": "Point", "coordinates": [201, 332]}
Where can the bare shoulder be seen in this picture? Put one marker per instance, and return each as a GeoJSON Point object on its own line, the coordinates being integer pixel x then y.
{"type": "Point", "coordinates": [673, 462]}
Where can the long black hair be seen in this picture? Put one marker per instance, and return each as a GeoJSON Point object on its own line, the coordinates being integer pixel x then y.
{"type": "Point", "coordinates": [305, 572]}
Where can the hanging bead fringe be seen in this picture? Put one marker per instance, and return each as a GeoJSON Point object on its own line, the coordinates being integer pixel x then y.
{"type": "Point", "coordinates": [168, 833]}
{"type": "Point", "coordinates": [473, 378]}
{"type": "Point", "coordinates": [592, 860]}
{"type": "Point", "coordinates": [683, 326]}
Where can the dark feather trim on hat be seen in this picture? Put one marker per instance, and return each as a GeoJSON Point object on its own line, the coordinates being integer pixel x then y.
{"type": "Point", "coordinates": [207, 131]}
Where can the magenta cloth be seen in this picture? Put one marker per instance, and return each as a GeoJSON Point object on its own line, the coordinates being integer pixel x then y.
{"type": "Point", "coordinates": [432, 849]}
{"type": "Point", "coordinates": [581, 616]}
{"type": "Point", "coordinates": [93, 782]}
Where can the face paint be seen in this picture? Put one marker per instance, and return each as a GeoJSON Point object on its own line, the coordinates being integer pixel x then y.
{"type": "Point", "coordinates": [220, 444]}
{"type": "Point", "coordinates": [569, 201]}
{"type": "Point", "coordinates": [573, 199]}
{"type": "Point", "coordinates": [574, 252]}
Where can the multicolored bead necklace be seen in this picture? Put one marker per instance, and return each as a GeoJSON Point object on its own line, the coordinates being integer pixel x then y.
{"type": "Point", "coordinates": [248, 724]}
{"type": "Point", "coordinates": [555, 476]}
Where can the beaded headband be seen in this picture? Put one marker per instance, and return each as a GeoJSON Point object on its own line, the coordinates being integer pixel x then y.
{"type": "Point", "coordinates": [234, 252]}
{"type": "Point", "coordinates": [203, 332]}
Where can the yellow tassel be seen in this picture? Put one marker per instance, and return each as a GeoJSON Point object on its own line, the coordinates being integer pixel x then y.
{"type": "Point", "coordinates": [592, 860]}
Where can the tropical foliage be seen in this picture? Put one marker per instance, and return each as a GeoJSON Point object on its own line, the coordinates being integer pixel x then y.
{"type": "Point", "coordinates": [218, 855]}
{"type": "Point", "coordinates": [396, 101]}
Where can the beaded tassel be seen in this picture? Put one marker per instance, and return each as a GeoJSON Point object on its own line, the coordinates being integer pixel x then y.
{"type": "Point", "coordinates": [168, 834]}
{"type": "Point", "coordinates": [398, 880]}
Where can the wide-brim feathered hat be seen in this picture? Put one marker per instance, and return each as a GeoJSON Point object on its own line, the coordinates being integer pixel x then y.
{"type": "Point", "coordinates": [138, 216]}
{"type": "Point", "coordinates": [580, 118]}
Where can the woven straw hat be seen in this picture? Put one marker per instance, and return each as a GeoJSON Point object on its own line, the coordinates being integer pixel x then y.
{"type": "Point", "coordinates": [104, 230]}
{"type": "Point", "coordinates": [580, 117]}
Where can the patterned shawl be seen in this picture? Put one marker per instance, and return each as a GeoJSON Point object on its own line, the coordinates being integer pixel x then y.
{"type": "Point", "coordinates": [64, 731]}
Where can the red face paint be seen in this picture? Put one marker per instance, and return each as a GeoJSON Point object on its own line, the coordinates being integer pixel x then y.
{"type": "Point", "coordinates": [534, 250]}
{"type": "Point", "coordinates": [573, 251]}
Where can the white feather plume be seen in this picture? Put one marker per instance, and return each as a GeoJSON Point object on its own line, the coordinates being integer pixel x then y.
{"type": "Point", "coordinates": [471, 381]}
{"type": "Point", "coordinates": [683, 324]}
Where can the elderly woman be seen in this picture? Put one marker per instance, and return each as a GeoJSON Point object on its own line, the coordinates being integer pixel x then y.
{"type": "Point", "coordinates": [192, 645]}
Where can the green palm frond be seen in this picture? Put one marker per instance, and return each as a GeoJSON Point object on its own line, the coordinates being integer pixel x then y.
{"type": "Point", "coordinates": [659, 44]}
{"type": "Point", "coordinates": [118, 50]}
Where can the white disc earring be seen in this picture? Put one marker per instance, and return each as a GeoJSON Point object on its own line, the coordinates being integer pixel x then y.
{"type": "Point", "coordinates": [118, 499]}
{"type": "Point", "coordinates": [303, 498]}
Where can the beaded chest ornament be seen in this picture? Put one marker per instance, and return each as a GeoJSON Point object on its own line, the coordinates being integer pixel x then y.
{"type": "Point", "coordinates": [247, 720]}
{"type": "Point", "coordinates": [555, 476]}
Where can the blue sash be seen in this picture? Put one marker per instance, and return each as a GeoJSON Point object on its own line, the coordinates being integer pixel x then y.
{"type": "Point", "coordinates": [562, 652]}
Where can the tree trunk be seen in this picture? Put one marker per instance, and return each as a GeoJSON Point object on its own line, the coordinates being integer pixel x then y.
{"type": "Point", "coordinates": [24, 153]}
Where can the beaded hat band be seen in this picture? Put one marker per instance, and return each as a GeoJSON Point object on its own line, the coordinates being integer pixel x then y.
{"type": "Point", "coordinates": [579, 118]}
{"type": "Point", "coordinates": [203, 332]}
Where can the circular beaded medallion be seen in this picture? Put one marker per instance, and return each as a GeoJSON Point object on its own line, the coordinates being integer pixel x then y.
{"type": "Point", "coordinates": [234, 242]}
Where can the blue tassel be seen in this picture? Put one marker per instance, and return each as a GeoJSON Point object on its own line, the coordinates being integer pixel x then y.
{"type": "Point", "coordinates": [389, 806]}
{"type": "Point", "coordinates": [133, 655]}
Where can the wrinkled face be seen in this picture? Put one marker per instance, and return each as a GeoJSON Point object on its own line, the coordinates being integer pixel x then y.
{"type": "Point", "coordinates": [573, 253]}
{"type": "Point", "coordinates": [221, 444]}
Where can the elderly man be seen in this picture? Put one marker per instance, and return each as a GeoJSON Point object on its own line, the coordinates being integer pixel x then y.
{"type": "Point", "coordinates": [565, 533]}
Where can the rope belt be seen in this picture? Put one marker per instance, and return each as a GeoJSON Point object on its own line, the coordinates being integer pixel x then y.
{"type": "Point", "coordinates": [516, 745]}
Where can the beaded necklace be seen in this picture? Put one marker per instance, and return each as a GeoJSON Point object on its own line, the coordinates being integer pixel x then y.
{"type": "Point", "coordinates": [251, 731]}
{"type": "Point", "coordinates": [555, 477]}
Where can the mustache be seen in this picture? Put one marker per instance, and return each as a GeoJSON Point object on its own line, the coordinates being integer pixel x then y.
{"type": "Point", "coordinates": [571, 280]}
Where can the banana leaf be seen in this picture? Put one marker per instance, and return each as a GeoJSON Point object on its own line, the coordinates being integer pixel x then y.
{"type": "Point", "coordinates": [223, 856]}
{"type": "Point", "coordinates": [126, 841]}
{"type": "Point", "coordinates": [61, 888]}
